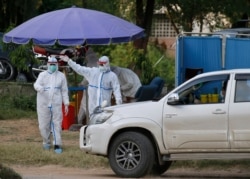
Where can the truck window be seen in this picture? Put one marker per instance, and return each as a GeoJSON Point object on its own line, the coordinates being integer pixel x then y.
{"type": "Point", "coordinates": [242, 90]}
{"type": "Point", "coordinates": [205, 90]}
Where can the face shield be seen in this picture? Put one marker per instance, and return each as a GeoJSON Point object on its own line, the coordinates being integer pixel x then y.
{"type": "Point", "coordinates": [103, 64]}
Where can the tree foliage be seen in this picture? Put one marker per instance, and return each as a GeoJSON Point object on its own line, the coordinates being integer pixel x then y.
{"type": "Point", "coordinates": [16, 12]}
{"type": "Point", "coordinates": [187, 12]}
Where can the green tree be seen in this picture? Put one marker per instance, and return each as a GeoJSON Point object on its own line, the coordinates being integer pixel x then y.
{"type": "Point", "coordinates": [16, 12]}
{"type": "Point", "coordinates": [51, 5]}
{"type": "Point", "coordinates": [108, 6]}
{"type": "Point", "coordinates": [185, 13]}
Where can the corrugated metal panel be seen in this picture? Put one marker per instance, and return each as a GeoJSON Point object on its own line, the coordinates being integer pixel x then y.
{"type": "Point", "coordinates": [198, 52]}
{"type": "Point", "coordinates": [237, 53]}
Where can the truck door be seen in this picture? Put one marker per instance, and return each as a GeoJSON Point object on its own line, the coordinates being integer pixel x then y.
{"type": "Point", "coordinates": [239, 113]}
{"type": "Point", "coordinates": [199, 121]}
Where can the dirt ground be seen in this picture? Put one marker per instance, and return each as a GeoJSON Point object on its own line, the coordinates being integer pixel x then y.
{"type": "Point", "coordinates": [57, 172]}
{"type": "Point", "coordinates": [29, 127]}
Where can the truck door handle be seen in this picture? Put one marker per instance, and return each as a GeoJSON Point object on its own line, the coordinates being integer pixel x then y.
{"type": "Point", "coordinates": [170, 115]}
{"type": "Point", "coordinates": [219, 111]}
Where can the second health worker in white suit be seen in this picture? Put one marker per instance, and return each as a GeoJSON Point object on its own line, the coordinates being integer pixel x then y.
{"type": "Point", "coordinates": [102, 82]}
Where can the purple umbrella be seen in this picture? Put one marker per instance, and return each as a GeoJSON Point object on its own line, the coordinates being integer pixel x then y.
{"type": "Point", "coordinates": [74, 26]}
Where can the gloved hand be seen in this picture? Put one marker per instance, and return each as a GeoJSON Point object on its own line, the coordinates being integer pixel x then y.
{"type": "Point", "coordinates": [64, 58]}
{"type": "Point", "coordinates": [66, 109]}
{"type": "Point", "coordinates": [118, 101]}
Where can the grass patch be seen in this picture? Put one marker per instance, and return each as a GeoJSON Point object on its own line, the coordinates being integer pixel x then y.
{"type": "Point", "coordinates": [17, 101]}
{"type": "Point", "coordinates": [10, 113]}
{"type": "Point", "coordinates": [21, 148]}
{"type": "Point", "coordinates": [213, 164]}
{"type": "Point", "coordinates": [18, 106]}
{"type": "Point", "coordinates": [34, 155]}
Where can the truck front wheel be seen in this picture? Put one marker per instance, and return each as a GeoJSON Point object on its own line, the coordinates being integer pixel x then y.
{"type": "Point", "coordinates": [131, 154]}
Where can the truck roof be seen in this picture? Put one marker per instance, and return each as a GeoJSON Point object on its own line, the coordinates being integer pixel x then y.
{"type": "Point", "coordinates": [240, 70]}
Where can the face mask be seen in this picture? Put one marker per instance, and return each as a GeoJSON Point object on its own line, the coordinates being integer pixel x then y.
{"type": "Point", "coordinates": [102, 68]}
{"type": "Point", "coordinates": [52, 68]}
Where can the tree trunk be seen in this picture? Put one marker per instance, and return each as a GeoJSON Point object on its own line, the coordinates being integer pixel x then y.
{"type": "Point", "coordinates": [144, 20]}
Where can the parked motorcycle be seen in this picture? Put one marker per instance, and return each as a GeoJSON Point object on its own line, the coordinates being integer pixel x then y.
{"type": "Point", "coordinates": [42, 53]}
{"type": "Point", "coordinates": [9, 70]}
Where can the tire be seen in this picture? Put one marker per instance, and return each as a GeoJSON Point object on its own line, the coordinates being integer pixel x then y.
{"type": "Point", "coordinates": [36, 69]}
{"type": "Point", "coordinates": [131, 154]}
{"type": "Point", "coordinates": [33, 74]}
{"type": "Point", "coordinates": [160, 169]}
{"type": "Point", "coordinates": [7, 71]}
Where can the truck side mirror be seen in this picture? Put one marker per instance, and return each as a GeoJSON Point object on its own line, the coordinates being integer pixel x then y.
{"type": "Point", "coordinates": [173, 99]}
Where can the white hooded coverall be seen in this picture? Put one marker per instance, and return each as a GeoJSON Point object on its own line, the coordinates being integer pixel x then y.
{"type": "Point", "coordinates": [52, 92]}
{"type": "Point", "coordinates": [101, 85]}
{"type": "Point", "coordinates": [129, 81]}
{"type": "Point", "coordinates": [92, 59]}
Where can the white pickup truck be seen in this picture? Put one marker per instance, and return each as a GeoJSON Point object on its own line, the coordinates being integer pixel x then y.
{"type": "Point", "coordinates": [207, 117]}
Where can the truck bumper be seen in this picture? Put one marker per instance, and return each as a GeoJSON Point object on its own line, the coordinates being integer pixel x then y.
{"type": "Point", "coordinates": [92, 139]}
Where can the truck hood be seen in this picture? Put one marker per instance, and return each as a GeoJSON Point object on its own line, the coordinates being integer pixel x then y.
{"type": "Point", "coordinates": [149, 109]}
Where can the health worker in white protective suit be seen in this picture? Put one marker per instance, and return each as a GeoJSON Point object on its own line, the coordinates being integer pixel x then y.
{"type": "Point", "coordinates": [129, 81]}
{"type": "Point", "coordinates": [102, 82]}
{"type": "Point", "coordinates": [52, 92]}
{"type": "Point", "coordinates": [91, 59]}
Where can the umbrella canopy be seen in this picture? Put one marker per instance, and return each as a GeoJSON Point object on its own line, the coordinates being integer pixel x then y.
{"type": "Point", "coordinates": [74, 26]}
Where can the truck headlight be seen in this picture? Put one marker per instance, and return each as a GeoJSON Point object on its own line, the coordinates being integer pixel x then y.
{"type": "Point", "coordinates": [100, 118]}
